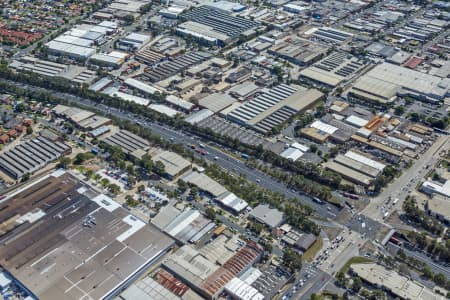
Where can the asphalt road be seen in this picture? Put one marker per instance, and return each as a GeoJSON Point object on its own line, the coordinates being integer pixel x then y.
{"type": "Point", "coordinates": [223, 160]}
{"type": "Point", "coordinates": [407, 182]}
{"type": "Point", "coordinates": [311, 284]}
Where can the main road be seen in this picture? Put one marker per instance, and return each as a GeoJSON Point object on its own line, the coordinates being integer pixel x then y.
{"type": "Point", "coordinates": [222, 159]}
{"type": "Point", "coordinates": [402, 186]}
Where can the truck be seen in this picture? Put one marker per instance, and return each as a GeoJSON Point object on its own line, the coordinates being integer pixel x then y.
{"type": "Point", "coordinates": [244, 156]}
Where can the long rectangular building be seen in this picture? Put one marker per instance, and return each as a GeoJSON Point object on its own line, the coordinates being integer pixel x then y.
{"type": "Point", "coordinates": [214, 25]}
{"type": "Point", "coordinates": [169, 68]}
{"type": "Point", "coordinates": [332, 70]}
{"type": "Point", "coordinates": [128, 142]}
{"type": "Point", "coordinates": [31, 156]}
{"type": "Point", "coordinates": [274, 107]}
{"type": "Point", "coordinates": [386, 81]}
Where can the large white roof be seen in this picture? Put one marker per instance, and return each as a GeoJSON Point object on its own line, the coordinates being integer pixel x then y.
{"type": "Point", "coordinates": [324, 127]}
{"type": "Point", "coordinates": [367, 161]}
{"type": "Point", "coordinates": [241, 290]}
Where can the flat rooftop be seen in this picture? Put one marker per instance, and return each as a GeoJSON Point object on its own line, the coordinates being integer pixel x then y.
{"type": "Point", "coordinates": [63, 240]}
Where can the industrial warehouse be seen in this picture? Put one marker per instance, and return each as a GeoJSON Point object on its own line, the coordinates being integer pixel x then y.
{"type": "Point", "coordinates": [356, 167]}
{"type": "Point", "coordinates": [66, 241]}
{"type": "Point", "coordinates": [332, 70]}
{"type": "Point", "coordinates": [185, 226]}
{"type": "Point", "coordinates": [52, 69]}
{"type": "Point", "coordinates": [128, 142]}
{"type": "Point", "coordinates": [214, 26]}
{"type": "Point", "coordinates": [80, 42]}
{"type": "Point", "coordinates": [386, 81]}
{"type": "Point", "coordinates": [181, 63]}
{"type": "Point", "coordinates": [206, 277]}
{"type": "Point", "coordinates": [31, 156]}
{"type": "Point", "coordinates": [274, 107]}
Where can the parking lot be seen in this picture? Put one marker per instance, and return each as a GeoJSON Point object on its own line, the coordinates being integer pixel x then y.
{"type": "Point", "coordinates": [271, 281]}
{"type": "Point", "coordinates": [232, 130]}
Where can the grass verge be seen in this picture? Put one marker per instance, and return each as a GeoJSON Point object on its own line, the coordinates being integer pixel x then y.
{"type": "Point", "coordinates": [355, 260]}
{"type": "Point", "coordinates": [311, 252]}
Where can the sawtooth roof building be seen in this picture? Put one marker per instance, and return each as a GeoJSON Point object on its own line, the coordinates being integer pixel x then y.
{"type": "Point", "coordinates": [274, 107]}
{"type": "Point", "coordinates": [214, 25]}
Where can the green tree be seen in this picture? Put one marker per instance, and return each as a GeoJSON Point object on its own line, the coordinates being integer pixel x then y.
{"type": "Point", "coordinates": [340, 279]}
{"type": "Point", "coordinates": [292, 260]}
{"type": "Point", "coordinates": [440, 279]}
{"type": "Point", "coordinates": [89, 173]}
{"type": "Point", "coordinates": [29, 130]}
{"type": "Point", "coordinates": [128, 19]}
{"type": "Point", "coordinates": [114, 188]}
{"type": "Point", "coordinates": [25, 177]}
{"type": "Point", "coordinates": [357, 284]}
{"type": "Point", "coordinates": [159, 168]}
{"type": "Point", "coordinates": [399, 110]}
{"type": "Point", "coordinates": [427, 272]}
{"type": "Point", "coordinates": [210, 213]}
{"type": "Point", "coordinates": [194, 192]}
{"type": "Point", "coordinates": [104, 182]}
{"type": "Point", "coordinates": [64, 162]}
{"type": "Point", "coordinates": [141, 188]}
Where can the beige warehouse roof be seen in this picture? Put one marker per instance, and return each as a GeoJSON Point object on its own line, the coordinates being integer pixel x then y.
{"type": "Point", "coordinates": [322, 76]}
{"type": "Point", "coordinates": [216, 102]}
{"type": "Point", "coordinates": [204, 183]}
{"type": "Point", "coordinates": [349, 173]}
{"type": "Point", "coordinates": [298, 101]}
{"type": "Point", "coordinates": [399, 285]}
{"type": "Point", "coordinates": [173, 163]}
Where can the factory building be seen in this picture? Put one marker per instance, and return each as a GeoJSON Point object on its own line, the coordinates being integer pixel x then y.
{"type": "Point", "coordinates": [264, 214]}
{"type": "Point", "coordinates": [214, 26]}
{"type": "Point", "coordinates": [274, 107]}
{"type": "Point", "coordinates": [179, 64]}
{"type": "Point", "coordinates": [133, 41]}
{"type": "Point", "coordinates": [188, 226]}
{"type": "Point", "coordinates": [114, 59]}
{"type": "Point", "coordinates": [174, 164]}
{"type": "Point", "coordinates": [31, 156]}
{"type": "Point", "coordinates": [205, 276]}
{"type": "Point", "coordinates": [299, 51]}
{"type": "Point", "coordinates": [129, 143]}
{"type": "Point", "coordinates": [51, 69]}
{"type": "Point", "coordinates": [331, 35]}
{"type": "Point", "coordinates": [386, 81]}
{"type": "Point", "coordinates": [216, 102]}
{"type": "Point", "coordinates": [204, 183]}
{"type": "Point", "coordinates": [231, 202]}
{"type": "Point", "coordinates": [82, 119]}
{"type": "Point", "coordinates": [333, 70]}
{"type": "Point", "coordinates": [59, 216]}
{"type": "Point", "coordinates": [356, 167]}
{"type": "Point", "coordinates": [80, 42]}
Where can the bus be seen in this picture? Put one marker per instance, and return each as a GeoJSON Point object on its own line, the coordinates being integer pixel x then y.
{"type": "Point", "coordinates": [317, 200]}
